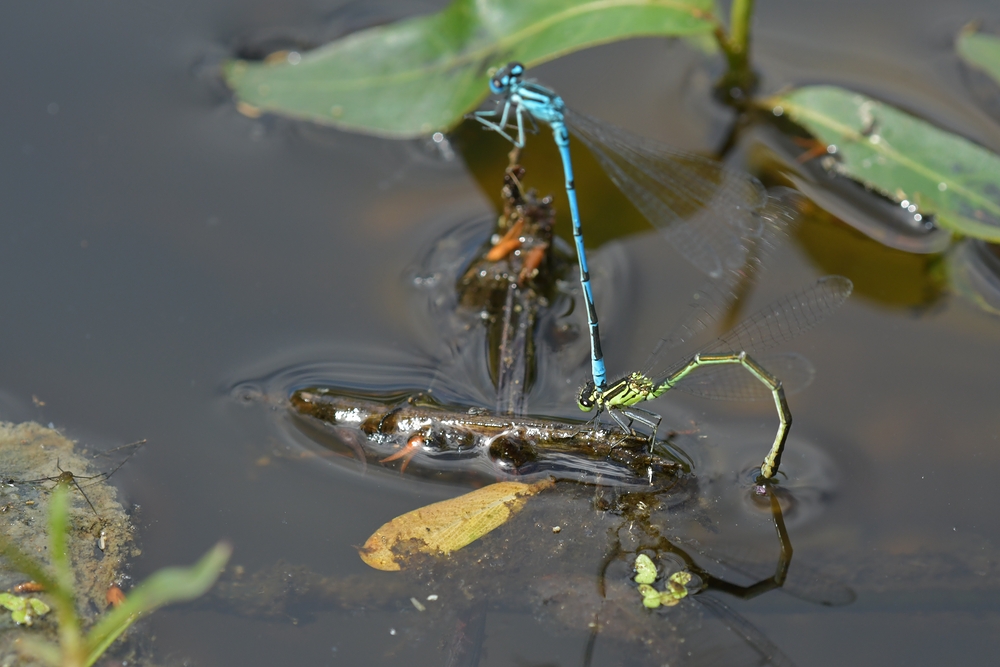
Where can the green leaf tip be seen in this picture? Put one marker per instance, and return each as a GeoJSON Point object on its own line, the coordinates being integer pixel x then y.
{"type": "Point", "coordinates": [980, 50]}
{"type": "Point", "coordinates": [166, 586]}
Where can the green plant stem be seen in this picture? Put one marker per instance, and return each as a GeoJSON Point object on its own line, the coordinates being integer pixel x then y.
{"type": "Point", "coordinates": [739, 30]}
{"type": "Point", "coordinates": [70, 639]}
{"type": "Point", "coordinates": [739, 81]}
{"type": "Point", "coordinates": [163, 587]}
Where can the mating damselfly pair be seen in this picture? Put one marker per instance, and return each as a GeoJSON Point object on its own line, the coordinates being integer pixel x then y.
{"type": "Point", "coordinates": [713, 215]}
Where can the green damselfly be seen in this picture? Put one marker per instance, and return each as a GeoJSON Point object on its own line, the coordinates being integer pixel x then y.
{"type": "Point", "coordinates": [777, 323]}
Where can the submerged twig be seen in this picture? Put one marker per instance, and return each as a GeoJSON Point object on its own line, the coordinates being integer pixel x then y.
{"type": "Point", "coordinates": [510, 281]}
{"type": "Point", "coordinates": [462, 440]}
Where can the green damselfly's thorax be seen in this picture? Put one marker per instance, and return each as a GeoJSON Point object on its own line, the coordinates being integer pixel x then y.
{"type": "Point", "coordinates": [631, 389]}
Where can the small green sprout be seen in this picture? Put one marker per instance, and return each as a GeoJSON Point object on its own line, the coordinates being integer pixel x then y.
{"type": "Point", "coordinates": [651, 598]}
{"type": "Point", "coordinates": [76, 648]}
{"type": "Point", "coordinates": [24, 611]}
{"type": "Point", "coordinates": [676, 588]}
{"type": "Point", "coordinates": [645, 570]}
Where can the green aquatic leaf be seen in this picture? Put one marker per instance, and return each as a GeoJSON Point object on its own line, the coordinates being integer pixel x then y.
{"type": "Point", "coordinates": [423, 74]}
{"type": "Point", "coordinates": [650, 596]}
{"type": "Point", "coordinates": [981, 51]}
{"type": "Point", "coordinates": [676, 585]}
{"type": "Point", "coordinates": [676, 588]}
{"type": "Point", "coordinates": [902, 157]}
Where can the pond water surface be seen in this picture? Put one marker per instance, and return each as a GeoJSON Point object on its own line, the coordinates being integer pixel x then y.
{"type": "Point", "coordinates": [159, 250]}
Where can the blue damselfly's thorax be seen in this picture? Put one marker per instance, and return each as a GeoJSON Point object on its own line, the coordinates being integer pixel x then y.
{"type": "Point", "coordinates": [540, 102]}
{"type": "Point", "coordinates": [506, 78]}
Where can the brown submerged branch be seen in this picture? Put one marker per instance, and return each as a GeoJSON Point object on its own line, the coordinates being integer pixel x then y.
{"type": "Point", "coordinates": [462, 439]}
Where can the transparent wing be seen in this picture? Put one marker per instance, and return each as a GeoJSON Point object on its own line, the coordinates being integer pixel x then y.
{"type": "Point", "coordinates": [715, 298]}
{"type": "Point", "coordinates": [734, 383]}
{"type": "Point", "coordinates": [739, 642]}
{"type": "Point", "coordinates": [705, 209]}
{"type": "Point", "coordinates": [777, 323]}
{"type": "Point", "coordinates": [786, 318]}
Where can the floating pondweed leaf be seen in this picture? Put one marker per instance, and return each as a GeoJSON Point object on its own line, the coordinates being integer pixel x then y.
{"type": "Point", "coordinates": [980, 51]}
{"type": "Point", "coordinates": [922, 168]}
{"type": "Point", "coordinates": [448, 525]}
{"type": "Point", "coordinates": [423, 74]}
{"type": "Point", "coordinates": [775, 152]}
{"type": "Point", "coordinates": [30, 451]}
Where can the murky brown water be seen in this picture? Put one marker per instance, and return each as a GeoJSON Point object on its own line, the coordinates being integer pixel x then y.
{"type": "Point", "coordinates": [160, 249]}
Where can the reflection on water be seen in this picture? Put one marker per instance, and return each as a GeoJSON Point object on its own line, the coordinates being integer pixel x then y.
{"type": "Point", "coordinates": [974, 269]}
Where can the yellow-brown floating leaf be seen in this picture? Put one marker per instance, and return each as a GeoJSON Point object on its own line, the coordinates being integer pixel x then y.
{"type": "Point", "coordinates": [448, 525]}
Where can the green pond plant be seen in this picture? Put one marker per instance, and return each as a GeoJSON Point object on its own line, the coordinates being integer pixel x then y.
{"type": "Point", "coordinates": [676, 585]}
{"type": "Point", "coordinates": [75, 647]}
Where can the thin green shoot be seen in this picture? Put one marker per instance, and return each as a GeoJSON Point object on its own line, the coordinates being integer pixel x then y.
{"type": "Point", "coordinates": [74, 648]}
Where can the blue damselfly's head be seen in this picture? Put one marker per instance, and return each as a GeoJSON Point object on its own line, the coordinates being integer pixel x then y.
{"type": "Point", "coordinates": [505, 77]}
{"type": "Point", "coordinates": [588, 397]}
